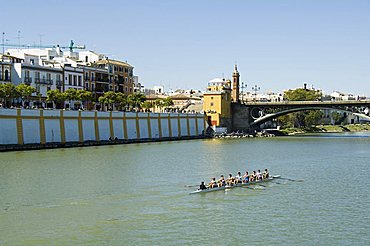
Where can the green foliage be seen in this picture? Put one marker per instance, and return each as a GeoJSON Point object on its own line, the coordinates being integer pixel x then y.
{"type": "Point", "coordinates": [147, 105]}
{"type": "Point", "coordinates": [84, 96]}
{"type": "Point", "coordinates": [301, 119]}
{"type": "Point", "coordinates": [135, 100]}
{"type": "Point", "coordinates": [8, 92]}
{"type": "Point", "coordinates": [111, 98]}
{"type": "Point", "coordinates": [25, 91]}
{"type": "Point", "coordinates": [302, 94]}
{"type": "Point", "coordinates": [55, 96]}
{"type": "Point", "coordinates": [71, 94]}
{"type": "Point", "coordinates": [312, 118]}
{"type": "Point", "coordinates": [336, 117]}
{"type": "Point", "coordinates": [167, 102]}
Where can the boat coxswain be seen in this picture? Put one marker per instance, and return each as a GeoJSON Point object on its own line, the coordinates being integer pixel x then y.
{"type": "Point", "coordinates": [202, 186]}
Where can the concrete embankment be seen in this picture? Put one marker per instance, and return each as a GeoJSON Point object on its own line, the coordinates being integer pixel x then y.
{"type": "Point", "coordinates": [37, 129]}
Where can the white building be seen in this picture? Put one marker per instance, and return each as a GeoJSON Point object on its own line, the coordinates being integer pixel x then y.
{"type": "Point", "coordinates": [339, 96]}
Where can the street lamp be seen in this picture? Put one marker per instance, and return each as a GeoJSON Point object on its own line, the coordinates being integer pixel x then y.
{"type": "Point", "coordinates": [242, 87]}
{"type": "Point", "coordinates": [255, 89]}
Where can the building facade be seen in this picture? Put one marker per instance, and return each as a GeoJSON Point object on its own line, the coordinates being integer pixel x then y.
{"type": "Point", "coordinates": [217, 102]}
{"type": "Point", "coordinates": [120, 75]}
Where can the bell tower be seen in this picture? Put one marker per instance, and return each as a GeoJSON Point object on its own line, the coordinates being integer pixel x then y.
{"type": "Point", "coordinates": [235, 90]}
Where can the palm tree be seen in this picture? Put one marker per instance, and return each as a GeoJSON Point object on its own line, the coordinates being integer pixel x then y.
{"type": "Point", "coordinates": [135, 100]}
{"type": "Point", "coordinates": [147, 105]}
{"type": "Point", "coordinates": [159, 103]}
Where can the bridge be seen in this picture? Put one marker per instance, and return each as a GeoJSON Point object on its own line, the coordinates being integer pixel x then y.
{"type": "Point", "coordinates": [250, 115]}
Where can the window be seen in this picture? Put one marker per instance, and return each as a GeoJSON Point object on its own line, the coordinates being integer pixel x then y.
{"type": "Point", "coordinates": [87, 86]}
{"type": "Point", "coordinates": [86, 58]}
{"type": "Point", "coordinates": [211, 98]}
{"type": "Point", "coordinates": [92, 87]}
{"type": "Point", "coordinates": [211, 104]}
{"type": "Point", "coordinates": [75, 80]}
{"type": "Point", "coordinates": [6, 76]}
{"type": "Point", "coordinates": [70, 79]}
{"type": "Point", "coordinates": [79, 80]}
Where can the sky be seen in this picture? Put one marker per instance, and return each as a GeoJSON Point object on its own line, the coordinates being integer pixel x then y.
{"type": "Point", "coordinates": [277, 44]}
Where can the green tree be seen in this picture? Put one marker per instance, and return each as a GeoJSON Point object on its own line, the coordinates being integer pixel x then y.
{"type": "Point", "coordinates": [159, 103]}
{"type": "Point", "coordinates": [147, 105]}
{"type": "Point", "coordinates": [313, 117]}
{"type": "Point", "coordinates": [305, 118]}
{"type": "Point", "coordinates": [109, 98]}
{"type": "Point", "coordinates": [8, 92]}
{"type": "Point", "coordinates": [121, 100]}
{"type": "Point", "coordinates": [25, 91]}
{"type": "Point", "coordinates": [167, 102]}
{"type": "Point", "coordinates": [135, 100]}
{"type": "Point", "coordinates": [84, 96]}
{"type": "Point", "coordinates": [302, 94]}
{"type": "Point", "coordinates": [70, 95]}
{"type": "Point", "coordinates": [336, 117]}
{"type": "Point", "coordinates": [56, 97]}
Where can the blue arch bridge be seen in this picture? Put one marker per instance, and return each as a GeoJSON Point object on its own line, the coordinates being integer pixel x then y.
{"type": "Point", "coordinates": [249, 116]}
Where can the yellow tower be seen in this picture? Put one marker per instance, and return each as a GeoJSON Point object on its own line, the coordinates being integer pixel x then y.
{"type": "Point", "coordinates": [217, 101]}
{"type": "Point", "coordinates": [235, 91]}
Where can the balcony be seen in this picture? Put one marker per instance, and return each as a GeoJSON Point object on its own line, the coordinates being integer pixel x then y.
{"type": "Point", "coordinates": [59, 83]}
{"type": "Point", "coordinates": [44, 81]}
{"type": "Point", "coordinates": [27, 80]}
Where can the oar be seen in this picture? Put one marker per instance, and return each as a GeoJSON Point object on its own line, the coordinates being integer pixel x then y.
{"type": "Point", "coordinates": [254, 188]}
{"type": "Point", "coordinates": [191, 186]}
{"type": "Point", "coordinates": [293, 180]}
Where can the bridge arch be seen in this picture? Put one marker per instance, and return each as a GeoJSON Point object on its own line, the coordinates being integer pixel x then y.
{"type": "Point", "coordinates": [269, 117]}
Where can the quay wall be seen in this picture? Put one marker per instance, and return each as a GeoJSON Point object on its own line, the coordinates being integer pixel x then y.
{"type": "Point", "coordinates": [34, 129]}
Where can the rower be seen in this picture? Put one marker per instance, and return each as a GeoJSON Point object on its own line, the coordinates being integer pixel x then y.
{"type": "Point", "coordinates": [266, 174]}
{"type": "Point", "coordinates": [246, 177]}
{"type": "Point", "coordinates": [259, 175]}
{"type": "Point", "coordinates": [252, 176]}
{"type": "Point", "coordinates": [213, 183]}
{"type": "Point", "coordinates": [221, 181]}
{"type": "Point", "coordinates": [238, 178]}
{"type": "Point", "coordinates": [230, 180]}
{"type": "Point", "coordinates": [202, 186]}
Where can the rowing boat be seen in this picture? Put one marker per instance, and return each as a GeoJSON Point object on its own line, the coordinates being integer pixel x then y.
{"type": "Point", "coordinates": [234, 186]}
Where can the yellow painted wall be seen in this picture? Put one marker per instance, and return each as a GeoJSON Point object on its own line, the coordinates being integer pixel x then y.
{"type": "Point", "coordinates": [217, 105]}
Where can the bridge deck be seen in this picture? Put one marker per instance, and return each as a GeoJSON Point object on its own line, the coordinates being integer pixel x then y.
{"type": "Point", "coordinates": [310, 103]}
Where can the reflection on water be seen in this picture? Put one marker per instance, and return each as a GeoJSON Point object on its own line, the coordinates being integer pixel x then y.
{"type": "Point", "coordinates": [137, 194]}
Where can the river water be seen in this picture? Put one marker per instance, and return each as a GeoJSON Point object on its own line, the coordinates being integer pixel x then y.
{"type": "Point", "coordinates": [137, 194]}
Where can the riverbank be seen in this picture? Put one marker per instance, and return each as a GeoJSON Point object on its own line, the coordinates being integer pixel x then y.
{"type": "Point", "coordinates": [327, 129]}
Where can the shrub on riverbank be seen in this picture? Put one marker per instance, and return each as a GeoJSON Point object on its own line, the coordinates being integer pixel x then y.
{"type": "Point", "coordinates": [327, 128]}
